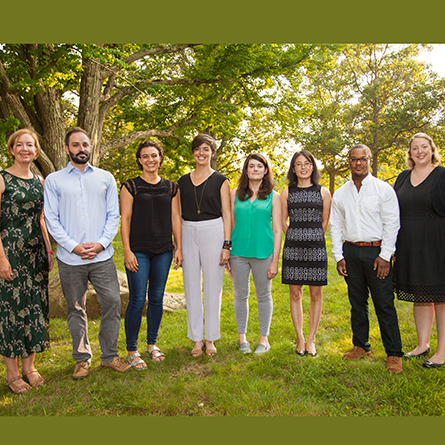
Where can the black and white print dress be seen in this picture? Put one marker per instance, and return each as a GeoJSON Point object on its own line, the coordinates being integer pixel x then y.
{"type": "Point", "coordinates": [305, 259]}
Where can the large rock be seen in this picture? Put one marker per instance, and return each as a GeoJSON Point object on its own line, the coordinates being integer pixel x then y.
{"type": "Point", "coordinates": [57, 305]}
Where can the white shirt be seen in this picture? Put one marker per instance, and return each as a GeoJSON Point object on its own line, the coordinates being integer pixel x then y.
{"type": "Point", "coordinates": [369, 215]}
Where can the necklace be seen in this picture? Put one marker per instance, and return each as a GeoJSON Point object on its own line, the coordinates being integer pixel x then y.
{"type": "Point", "coordinates": [198, 206]}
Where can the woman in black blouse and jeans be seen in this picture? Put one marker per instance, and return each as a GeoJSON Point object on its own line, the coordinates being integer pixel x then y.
{"type": "Point", "coordinates": [206, 227]}
{"type": "Point", "coordinates": [149, 215]}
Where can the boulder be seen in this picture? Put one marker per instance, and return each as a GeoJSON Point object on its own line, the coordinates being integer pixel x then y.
{"type": "Point", "coordinates": [57, 305]}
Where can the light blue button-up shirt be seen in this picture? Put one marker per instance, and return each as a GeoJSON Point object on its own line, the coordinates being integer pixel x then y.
{"type": "Point", "coordinates": [81, 208]}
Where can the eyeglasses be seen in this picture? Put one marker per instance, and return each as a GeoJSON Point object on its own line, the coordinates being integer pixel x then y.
{"type": "Point", "coordinates": [363, 160]}
{"type": "Point", "coordinates": [305, 165]}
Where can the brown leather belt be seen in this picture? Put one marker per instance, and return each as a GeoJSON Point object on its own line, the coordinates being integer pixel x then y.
{"type": "Point", "coordinates": [369, 244]}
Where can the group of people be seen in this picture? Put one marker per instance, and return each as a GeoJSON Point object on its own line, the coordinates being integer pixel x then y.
{"type": "Point", "coordinates": [205, 228]}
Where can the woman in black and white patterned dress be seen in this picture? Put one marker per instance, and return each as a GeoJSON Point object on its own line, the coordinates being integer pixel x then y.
{"type": "Point", "coordinates": [306, 207]}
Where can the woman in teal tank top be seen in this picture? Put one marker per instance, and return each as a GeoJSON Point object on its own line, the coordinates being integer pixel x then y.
{"type": "Point", "coordinates": [256, 245]}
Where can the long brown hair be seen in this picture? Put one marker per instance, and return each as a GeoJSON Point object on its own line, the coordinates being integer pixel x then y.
{"type": "Point", "coordinates": [244, 192]}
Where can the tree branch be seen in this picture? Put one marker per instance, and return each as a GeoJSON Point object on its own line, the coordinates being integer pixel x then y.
{"type": "Point", "coordinates": [168, 49]}
{"type": "Point", "coordinates": [136, 135]}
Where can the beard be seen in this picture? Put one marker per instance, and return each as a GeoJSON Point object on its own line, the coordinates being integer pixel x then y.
{"type": "Point", "coordinates": [80, 160]}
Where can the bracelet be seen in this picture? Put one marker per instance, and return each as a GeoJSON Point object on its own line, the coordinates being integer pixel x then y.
{"type": "Point", "coordinates": [227, 245]}
{"type": "Point", "coordinates": [50, 251]}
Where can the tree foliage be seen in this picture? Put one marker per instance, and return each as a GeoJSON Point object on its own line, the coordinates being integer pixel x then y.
{"type": "Point", "coordinates": [123, 93]}
{"type": "Point", "coordinates": [378, 95]}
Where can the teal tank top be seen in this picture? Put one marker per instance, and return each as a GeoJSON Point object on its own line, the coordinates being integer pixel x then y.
{"type": "Point", "coordinates": [252, 235]}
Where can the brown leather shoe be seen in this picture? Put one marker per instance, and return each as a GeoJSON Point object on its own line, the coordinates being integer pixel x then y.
{"type": "Point", "coordinates": [355, 353]}
{"type": "Point", "coordinates": [394, 365]}
{"type": "Point", "coordinates": [81, 370]}
{"type": "Point", "coordinates": [117, 364]}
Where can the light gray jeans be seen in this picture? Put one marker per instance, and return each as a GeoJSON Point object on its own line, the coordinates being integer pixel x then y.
{"type": "Point", "coordinates": [241, 268]}
{"type": "Point", "coordinates": [202, 243]}
{"type": "Point", "coordinates": [74, 281]}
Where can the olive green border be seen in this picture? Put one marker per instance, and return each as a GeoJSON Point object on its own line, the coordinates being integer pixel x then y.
{"type": "Point", "coordinates": [318, 21]}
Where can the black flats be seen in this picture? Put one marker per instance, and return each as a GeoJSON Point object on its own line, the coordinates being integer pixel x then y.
{"type": "Point", "coordinates": [422, 354]}
{"type": "Point", "coordinates": [431, 365]}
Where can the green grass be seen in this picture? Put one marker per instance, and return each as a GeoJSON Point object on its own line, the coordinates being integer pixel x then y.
{"type": "Point", "coordinates": [279, 383]}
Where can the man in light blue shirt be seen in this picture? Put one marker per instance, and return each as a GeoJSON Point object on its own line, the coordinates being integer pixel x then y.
{"type": "Point", "coordinates": [81, 208]}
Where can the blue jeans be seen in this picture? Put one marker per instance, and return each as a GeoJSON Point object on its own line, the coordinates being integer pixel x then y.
{"type": "Point", "coordinates": [152, 269]}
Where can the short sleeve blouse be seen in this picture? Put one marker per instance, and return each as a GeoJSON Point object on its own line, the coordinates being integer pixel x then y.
{"type": "Point", "coordinates": [151, 221]}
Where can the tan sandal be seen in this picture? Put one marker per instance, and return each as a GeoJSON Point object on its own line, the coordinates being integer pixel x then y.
{"type": "Point", "coordinates": [18, 388]}
{"type": "Point", "coordinates": [37, 382]}
{"type": "Point", "coordinates": [210, 351]}
{"type": "Point", "coordinates": [197, 352]}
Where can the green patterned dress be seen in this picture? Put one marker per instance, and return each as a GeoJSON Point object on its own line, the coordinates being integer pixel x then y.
{"type": "Point", "coordinates": [24, 300]}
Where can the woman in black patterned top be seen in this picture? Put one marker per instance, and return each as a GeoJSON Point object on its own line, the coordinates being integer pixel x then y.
{"type": "Point", "coordinates": [306, 207]}
{"type": "Point", "coordinates": [150, 214]}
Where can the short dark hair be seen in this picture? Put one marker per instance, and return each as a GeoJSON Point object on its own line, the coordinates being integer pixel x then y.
{"type": "Point", "coordinates": [292, 177]}
{"type": "Point", "coordinates": [244, 192]}
{"type": "Point", "coordinates": [363, 147]}
{"type": "Point", "coordinates": [204, 138]}
{"type": "Point", "coordinates": [75, 130]}
{"type": "Point", "coordinates": [149, 143]}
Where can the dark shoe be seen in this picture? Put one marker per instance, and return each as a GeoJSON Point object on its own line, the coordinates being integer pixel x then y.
{"type": "Point", "coordinates": [81, 370]}
{"type": "Point", "coordinates": [311, 354]}
{"type": "Point", "coordinates": [394, 365]}
{"type": "Point", "coordinates": [422, 354]}
{"type": "Point", "coordinates": [355, 353]}
{"type": "Point", "coordinates": [431, 365]}
{"type": "Point", "coordinates": [300, 353]}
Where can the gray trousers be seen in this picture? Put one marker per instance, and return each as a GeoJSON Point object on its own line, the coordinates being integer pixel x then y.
{"type": "Point", "coordinates": [241, 268]}
{"type": "Point", "coordinates": [74, 281]}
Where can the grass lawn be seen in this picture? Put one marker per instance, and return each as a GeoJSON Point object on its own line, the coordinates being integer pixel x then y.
{"type": "Point", "coordinates": [279, 383]}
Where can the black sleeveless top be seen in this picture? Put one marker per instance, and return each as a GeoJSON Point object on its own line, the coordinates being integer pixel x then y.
{"type": "Point", "coordinates": [207, 197]}
{"type": "Point", "coordinates": [151, 221]}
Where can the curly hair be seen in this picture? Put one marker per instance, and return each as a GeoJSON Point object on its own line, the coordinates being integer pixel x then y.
{"type": "Point", "coordinates": [149, 143]}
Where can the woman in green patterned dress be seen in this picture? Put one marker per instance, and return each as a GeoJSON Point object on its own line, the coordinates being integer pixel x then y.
{"type": "Point", "coordinates": [25, 260]}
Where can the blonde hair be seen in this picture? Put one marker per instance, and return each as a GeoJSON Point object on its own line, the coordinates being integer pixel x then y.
{"type": "Point", "coordinates": [435, 158]}
{"type": "Point", "coordinates": [17, 135]}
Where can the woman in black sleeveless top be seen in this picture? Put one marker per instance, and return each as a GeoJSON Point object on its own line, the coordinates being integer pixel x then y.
{"type": "Point", "coordinates": [206, 227]}
{"type": "Point", "coordinates": [150, 214]}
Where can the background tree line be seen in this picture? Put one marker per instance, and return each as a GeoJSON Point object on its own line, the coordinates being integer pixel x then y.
{"type": "Point", "coordinates": [272, 98]}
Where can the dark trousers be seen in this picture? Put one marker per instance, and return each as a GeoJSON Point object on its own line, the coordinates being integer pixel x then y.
{"type": "Point", "coordinates": [360, 280]}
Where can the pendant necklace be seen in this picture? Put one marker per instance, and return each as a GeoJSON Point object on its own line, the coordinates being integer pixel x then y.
{"type": "Point", "coordinates": [198, 206]}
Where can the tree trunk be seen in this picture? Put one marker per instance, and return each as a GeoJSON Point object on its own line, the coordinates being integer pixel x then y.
{"type": "Point", "coordinates": [90, 93]}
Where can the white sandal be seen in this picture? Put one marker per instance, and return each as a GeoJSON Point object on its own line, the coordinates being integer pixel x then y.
{"type": "Point", "coordinates": [156, 355]}
{"type": "Point", "coordinates": [134, 364]}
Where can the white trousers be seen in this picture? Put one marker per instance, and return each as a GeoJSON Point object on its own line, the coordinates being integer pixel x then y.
{"type": "Point", "coordinates": [202, 242]}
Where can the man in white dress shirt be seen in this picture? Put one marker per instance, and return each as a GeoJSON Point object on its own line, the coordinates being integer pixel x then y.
{"type": "Point", "coordinates": [364, 226]}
